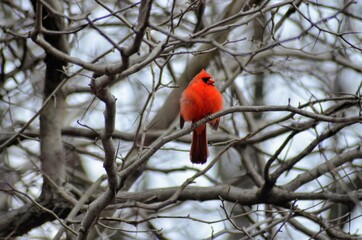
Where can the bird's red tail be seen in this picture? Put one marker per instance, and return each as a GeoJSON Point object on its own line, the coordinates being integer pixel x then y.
{"type": "Point", "coordinates": [199, 152]}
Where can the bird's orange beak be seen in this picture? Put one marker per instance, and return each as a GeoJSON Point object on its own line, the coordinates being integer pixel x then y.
{"type": "Point", "coordinates": [211, 81]}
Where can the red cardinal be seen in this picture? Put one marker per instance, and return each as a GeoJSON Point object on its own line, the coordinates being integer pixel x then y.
{"type": "Point", "coordinates": [200, 98]}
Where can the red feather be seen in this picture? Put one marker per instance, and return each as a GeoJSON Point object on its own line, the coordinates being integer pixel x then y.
{"type": "Point", "coordinates": [200, 99]}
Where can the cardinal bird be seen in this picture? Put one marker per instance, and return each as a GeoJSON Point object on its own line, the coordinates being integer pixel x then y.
{"type": "Point", "coordinates": [200, 99]}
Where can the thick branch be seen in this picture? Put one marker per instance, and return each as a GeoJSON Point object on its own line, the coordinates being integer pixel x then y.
{"type": "Point", "coordinates": [109, 164]}
{"type": "Point", "coordinates": [229, 193]}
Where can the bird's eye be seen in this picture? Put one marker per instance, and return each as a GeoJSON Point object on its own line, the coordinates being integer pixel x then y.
{"type": "Point", "coordinates": [205, 79]}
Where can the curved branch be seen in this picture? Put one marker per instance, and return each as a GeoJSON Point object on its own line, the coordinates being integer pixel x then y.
{"type": "Point", "coordinates": [321, 169]}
